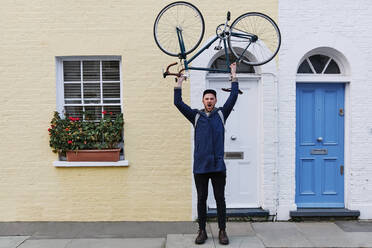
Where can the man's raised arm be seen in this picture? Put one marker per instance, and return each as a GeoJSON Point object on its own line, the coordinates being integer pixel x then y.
{"type": "Point", "coordinates": [182, 107]}
{"type": "Point", "coordinates": [230, 102]}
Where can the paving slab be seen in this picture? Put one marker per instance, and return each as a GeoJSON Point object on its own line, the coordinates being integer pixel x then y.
{"type": "Point", "coordinates": [280, 234]}
{"type": "Point", "coordinates": [45, 243]}
{"type": "Point", "coordinates": [359, 239]}
{"type": "Point", "coordinates": [12, 241]}
{"type": "Point", "coordinates": [241, 242]}
{"type": "Point", "coordinates": [116, 243]}
{"type": "Point", "coordinates": [355, 226]}
{"type": "Point", "coordinates": [233, 229]}
{"type": "Point", "coordinates": [325, 234]}
{"type": "Point", "coordinates": [187, 241]}
{"type": "Point", "coordinates": [101, 229]}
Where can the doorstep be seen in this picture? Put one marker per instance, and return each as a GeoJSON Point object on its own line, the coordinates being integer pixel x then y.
{"type": "Point", "coordinates": [240, 212]}
{"type": "Point", "coordinates": [324, 212]}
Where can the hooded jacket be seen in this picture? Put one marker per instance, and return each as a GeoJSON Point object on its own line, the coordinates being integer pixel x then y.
{"type": "Point", "coordinates": [209, 138]}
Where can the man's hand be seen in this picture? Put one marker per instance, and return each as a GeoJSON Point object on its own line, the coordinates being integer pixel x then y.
{"type": "Point", "coordinates": [233, 70]}
{"type": "Point", "coordinates": [180, 79]}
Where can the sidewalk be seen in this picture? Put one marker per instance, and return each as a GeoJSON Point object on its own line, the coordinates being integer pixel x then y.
{"type": "Point", "coordinates": [182, 234]}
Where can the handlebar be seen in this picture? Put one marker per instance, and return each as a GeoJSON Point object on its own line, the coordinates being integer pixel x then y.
{"type": "Point", "coordinates": [167, 73]}
{"type": "Point", "coordinates": [228, 15]}
{"type": "Point", "coordinates": [229, 89]}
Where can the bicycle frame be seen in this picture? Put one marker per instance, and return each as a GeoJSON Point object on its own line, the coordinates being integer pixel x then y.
{"type": "Point", "coordinates": [182, 55]}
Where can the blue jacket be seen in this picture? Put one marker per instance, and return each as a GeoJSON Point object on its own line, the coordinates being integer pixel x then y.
{"type": "Point", "coordinates": [209, 138]}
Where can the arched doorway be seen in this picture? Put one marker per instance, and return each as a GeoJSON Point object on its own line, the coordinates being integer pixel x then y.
{"type": "Point", "coordinates": [320, 104]}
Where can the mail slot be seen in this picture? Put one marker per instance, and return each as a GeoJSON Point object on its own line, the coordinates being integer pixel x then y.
{"type": "Point", "coordinates": [234, 155]}
{"type": "Point", "coordinates": [319, 151]}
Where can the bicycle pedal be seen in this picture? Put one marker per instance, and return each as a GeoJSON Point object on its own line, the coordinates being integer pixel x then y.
{"type": "Point", "coordinates": [217, 47]}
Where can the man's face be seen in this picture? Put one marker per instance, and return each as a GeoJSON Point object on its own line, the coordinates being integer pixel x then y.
{"type": "Point", "coordinates": [209, 100]}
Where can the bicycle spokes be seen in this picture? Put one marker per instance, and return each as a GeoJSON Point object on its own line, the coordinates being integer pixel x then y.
{"type": "Point", "coordinates": [254, 36]}
{"type": "Point", "coordinates": [182, 16]}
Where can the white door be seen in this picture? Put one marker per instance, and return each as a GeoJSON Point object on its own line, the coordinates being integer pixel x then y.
{"type": "Point", "coordinates": [241, 145]}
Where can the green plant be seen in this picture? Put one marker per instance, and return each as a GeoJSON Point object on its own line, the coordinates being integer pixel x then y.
{"type": "Point", "coordinates": [71, 133]}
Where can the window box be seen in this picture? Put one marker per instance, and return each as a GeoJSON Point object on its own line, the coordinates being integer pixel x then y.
{"type": "Point", "coordinates": [110, 155]}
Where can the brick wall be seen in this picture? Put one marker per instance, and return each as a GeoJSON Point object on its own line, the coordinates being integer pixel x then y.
{"type": "Point", "coordinates": [345, 27]}
{"type": "Point", "coordinates": [158, 184]}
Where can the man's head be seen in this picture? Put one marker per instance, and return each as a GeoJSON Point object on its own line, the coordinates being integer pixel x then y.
{"type": "Point", "coordinates": [209, 99]}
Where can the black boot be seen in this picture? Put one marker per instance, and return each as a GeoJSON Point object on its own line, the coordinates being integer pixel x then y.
{"type": "Point", "coordinates": [222, 236]}
{"type": "Point", "coordinates": [201, 238]}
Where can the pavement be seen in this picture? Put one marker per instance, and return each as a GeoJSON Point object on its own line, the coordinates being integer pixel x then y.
{"type": "Point", "coordinates": [182, 234]}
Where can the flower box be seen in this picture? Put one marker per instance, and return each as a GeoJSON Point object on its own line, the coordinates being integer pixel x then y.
{"type": "Point", "coordinates": [109, 155]}
{"type": "Point", "coordinates": [88, 139]}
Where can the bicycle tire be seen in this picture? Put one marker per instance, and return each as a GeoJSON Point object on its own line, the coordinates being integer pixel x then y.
{"type": "Point", "coordinates": [165, 34]}
{"type": "Point", "coordinates": [267, 32]}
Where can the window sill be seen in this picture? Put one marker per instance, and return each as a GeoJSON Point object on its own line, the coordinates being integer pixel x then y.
{"type": "Point", "coordinates": [120, 163]}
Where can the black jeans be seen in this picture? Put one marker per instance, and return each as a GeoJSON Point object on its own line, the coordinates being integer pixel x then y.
{"type": "Point", "coordinates": [218, 182]}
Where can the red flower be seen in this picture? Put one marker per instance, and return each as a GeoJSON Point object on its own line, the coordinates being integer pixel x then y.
{"type": "Point", "coordinates": [110, 113]}
{"type": "Point", "coordinates": [104, 112]}
{"type": "Point", "coordinates": [71, 118]}
{"type": "Point", "coordinates": [77, 118]}
{"type": "Point", "coordinates": [49, 129]}
{"type": "Point", "coordinates": [70, 141]}
{"type": "Point", "coordinates": [53, 126]}
{"type": "Point", "coordinates": [67, 129]}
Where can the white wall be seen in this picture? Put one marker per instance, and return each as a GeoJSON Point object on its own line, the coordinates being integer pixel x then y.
{"type": "Point", "coordinates": [344, 26]}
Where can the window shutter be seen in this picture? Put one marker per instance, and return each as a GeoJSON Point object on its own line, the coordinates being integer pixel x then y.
{"type": "Point", "coordinates": [91, 86]}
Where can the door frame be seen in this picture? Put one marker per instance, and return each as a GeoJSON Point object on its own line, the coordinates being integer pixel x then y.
{"type": "Point", "coordinates": [347, 121]}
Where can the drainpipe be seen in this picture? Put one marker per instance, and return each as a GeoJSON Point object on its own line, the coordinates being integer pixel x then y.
{"type": "Point", "coordinates": [276, 168]}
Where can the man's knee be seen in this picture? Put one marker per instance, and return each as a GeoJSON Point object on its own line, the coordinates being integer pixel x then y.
{"type": "Point", "coordinates": [202, 197]}
{"type": "Point", "coordinates": [220, 199]}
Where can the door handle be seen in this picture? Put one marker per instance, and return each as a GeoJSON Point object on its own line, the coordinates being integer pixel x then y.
{"type": "Point", "coordinates": [342, 169]}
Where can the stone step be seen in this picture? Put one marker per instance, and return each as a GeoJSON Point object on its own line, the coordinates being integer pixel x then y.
{"type": "Point", "coordinates": [324, 213]}
{"type": "Point", "coordinates": [240, 212]}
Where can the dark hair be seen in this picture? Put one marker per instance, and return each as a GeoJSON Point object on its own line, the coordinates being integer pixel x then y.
{"type": "Point", "coordinates": [210, 91]}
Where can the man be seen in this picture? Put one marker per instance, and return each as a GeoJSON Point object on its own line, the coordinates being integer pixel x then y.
{"type": "Point", "coordinates": [209, 151]}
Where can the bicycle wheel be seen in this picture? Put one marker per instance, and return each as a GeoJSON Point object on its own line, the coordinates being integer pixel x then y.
{"type": "Point", "coordinates": [256, 36]}
{"type": "Point", "coordinates": [187, 18]}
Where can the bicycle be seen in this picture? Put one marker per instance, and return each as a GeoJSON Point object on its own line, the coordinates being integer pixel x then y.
{"type": "Point", "coordinates": [253, 38]}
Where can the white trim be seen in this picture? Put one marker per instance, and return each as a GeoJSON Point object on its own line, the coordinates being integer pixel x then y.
{"type": "Point", "coordinates": [93, 57]}
{"type": "Point", "coordinates": [59, 85]}
{"type": "Point", "coordinates": [330, 52]}
{"type": "Point", "coordinates": [326, 66]}
{"type": "Point", "coordinates": [121, 163]}
{"type": "Point", "coordinates": [321, 78]}
{"type": "Point", "coordinates": [60, 80]}
{"type": "Point", "coordinates": [311, 65]}
{"type": "Point", "coordinates": [347, 145]}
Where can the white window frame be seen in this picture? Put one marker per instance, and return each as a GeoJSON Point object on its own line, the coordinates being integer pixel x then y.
{"type": "Point", "coordinates": [61, 103]}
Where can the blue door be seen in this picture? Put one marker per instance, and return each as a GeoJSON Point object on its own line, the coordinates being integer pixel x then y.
{"type": "Point", "coordinates": [320, 145]}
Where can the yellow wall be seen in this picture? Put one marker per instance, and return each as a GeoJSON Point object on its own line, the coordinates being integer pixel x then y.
{"type": "Point", "coordinates": [157, 184]}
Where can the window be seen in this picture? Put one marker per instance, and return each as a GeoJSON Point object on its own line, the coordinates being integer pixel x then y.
{"type": "Point", "coordinates": [319, 64]}
{"type": "Point", "coordinates": [89, 86]}
{"type": "Point", "coordinates": [220, 63]}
